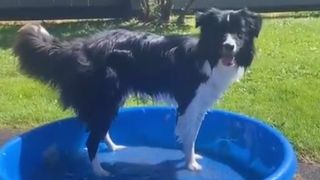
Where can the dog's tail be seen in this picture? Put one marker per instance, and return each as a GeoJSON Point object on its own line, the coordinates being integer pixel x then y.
{"type": "Point", "coordinates": [40, 54]}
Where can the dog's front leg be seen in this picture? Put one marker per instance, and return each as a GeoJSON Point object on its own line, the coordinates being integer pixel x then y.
{"type": "Point", "coordinates": [187, 131]}
{"type": "Point", "coordinates": [190, 120]}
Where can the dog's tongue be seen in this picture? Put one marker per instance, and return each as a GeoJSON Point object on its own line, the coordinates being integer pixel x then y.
{"type": "Point", "coordinates": [228, 61]}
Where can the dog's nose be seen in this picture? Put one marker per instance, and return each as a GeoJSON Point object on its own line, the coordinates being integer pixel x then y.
{"type": "Point", "coordinates": [228, 47]}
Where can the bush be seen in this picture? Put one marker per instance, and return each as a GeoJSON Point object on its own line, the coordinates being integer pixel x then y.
{"type": "Point", "coordinates": [156, 10]}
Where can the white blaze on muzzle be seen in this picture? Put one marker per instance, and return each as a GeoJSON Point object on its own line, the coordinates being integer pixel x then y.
{"type": "Point", "coordinates": [229, 50]}
{"type": "Point", "coordinates": [230, 43]}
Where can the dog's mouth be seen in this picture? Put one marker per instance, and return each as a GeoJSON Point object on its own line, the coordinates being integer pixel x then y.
{"type": "Point", "coordinates": [228, 60]}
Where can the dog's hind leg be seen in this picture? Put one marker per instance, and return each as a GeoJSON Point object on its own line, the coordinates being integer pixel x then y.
{"type": "Point", "coordinates": [107, 97]}
{"type": "Point", "coordinates": [96, 134]}
{"type": "Point", "coordinates": [92, 145]}
{"type": "Point", "coordinates": [100, 117]}
{"type": "Point", "coordinates": [98, 126]}
{"type": "Point", "coordinates": [111, 144]}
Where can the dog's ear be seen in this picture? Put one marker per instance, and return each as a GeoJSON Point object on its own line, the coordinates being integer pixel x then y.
{"type": "Point", "coordinates": [207, 18]}
{"type": "Point", "coordinates": [199, 19]}
{"type": "Point", "coordinates": [254, 21]}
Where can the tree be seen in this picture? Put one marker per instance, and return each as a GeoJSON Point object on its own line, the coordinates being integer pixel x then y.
{"type": "Point", "coordinates": [156, 9]}
{"type": "Point", "coordinates": [146, 10]}
{"type": "Point", "coordinates": [181, 17]}
{"type": "Point", "coordinates": [165, 10]}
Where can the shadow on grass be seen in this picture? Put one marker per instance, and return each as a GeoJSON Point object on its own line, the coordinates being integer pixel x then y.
{"type": "Point", "coordinates": [69, 30]}
{"type": "Point", "coordinates": [7, 35]}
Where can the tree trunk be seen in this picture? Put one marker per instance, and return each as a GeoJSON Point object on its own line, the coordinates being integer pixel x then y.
{"type": "Point", "coordinates": [181, 18]}
{"type": "Point", "coordinates": [146, 10]}
{"type": "Point", "coordinates": [165, 10]}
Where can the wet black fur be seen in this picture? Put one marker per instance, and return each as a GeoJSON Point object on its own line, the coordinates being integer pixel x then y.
{"type": "Point", "coordinates": [94, 75]}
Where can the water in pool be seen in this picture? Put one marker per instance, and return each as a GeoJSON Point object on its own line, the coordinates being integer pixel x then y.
{"type": "Point", "coordinates": [132, 163]}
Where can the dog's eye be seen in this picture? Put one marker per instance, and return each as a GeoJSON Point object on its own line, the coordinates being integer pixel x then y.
{"type": "Point", "coordinates": [240, 35]}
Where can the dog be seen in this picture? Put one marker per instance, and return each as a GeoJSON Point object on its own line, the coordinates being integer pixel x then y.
{"type": "Point", "coordinates": [95, 74]}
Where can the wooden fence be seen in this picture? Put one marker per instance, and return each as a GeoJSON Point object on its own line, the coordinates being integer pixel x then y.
{"type": "Point", "coordinates": [70, 9]}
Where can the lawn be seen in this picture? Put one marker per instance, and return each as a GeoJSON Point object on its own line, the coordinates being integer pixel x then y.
{"type": "Point", "coordinates": [282, 86]}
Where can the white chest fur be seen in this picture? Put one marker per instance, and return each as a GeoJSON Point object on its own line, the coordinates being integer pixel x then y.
{"type": "Point", "coordinates": [220, 77]}
{"type": "Point", "coordinates": [210, 91]}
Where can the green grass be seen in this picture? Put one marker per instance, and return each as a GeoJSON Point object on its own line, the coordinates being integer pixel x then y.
{"type": "Point", "coordinates": [282, 86]}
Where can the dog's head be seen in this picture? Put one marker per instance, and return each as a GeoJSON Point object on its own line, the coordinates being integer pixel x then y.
{"type": "Point", "coordinates": [229, 35]}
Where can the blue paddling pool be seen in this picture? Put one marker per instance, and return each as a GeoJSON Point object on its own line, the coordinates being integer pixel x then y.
{"type": "Point", "coordinates": [233, 147]}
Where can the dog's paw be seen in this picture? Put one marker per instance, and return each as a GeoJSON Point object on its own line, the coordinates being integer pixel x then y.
{"type": "Point", "coordinates": [101, 172]}
{"type": "Point", "coordinates": [198, 156]}
{"type": "Point", "coordinates": [117, 147]}
{"type": "Point", "coordinates": [194, 166]}
{"type": "Point", "coordinates": [98, 170]}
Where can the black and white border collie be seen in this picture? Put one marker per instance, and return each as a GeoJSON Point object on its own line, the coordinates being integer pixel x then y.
{"type": "Point", "coordinates": [96, 74]}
